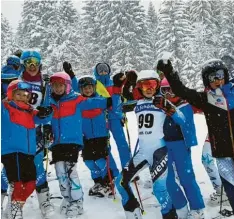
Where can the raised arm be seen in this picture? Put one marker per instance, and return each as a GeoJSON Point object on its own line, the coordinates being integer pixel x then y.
{"type": "Point", "coordinates": [198, 99]}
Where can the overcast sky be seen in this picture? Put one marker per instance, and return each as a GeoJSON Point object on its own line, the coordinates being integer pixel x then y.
{"type": "Point", "coordinates": [12, 9]}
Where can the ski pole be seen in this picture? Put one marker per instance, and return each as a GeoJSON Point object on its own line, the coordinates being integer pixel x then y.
{"type": "Point", "coordinates": [110, 177]}
{"type": "Point", "coordinates": [47, 159]}
{"type": "Point", "coordinates": [136, 186]}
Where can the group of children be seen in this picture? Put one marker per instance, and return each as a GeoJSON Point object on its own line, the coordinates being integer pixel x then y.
{"type": "Point", "coordinates": [79, 113]}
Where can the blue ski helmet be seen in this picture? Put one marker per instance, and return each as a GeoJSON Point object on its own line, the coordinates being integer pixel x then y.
{"type": "Point", "coordinates": [13, 60]}
{"type": "Point", "coordinates": [29, 55]}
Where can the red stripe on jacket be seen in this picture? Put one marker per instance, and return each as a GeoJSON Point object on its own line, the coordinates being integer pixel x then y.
{"type": "Point", "coordinates": [19, 117]}
{"type": "Point", "coordinates": [67, 108]}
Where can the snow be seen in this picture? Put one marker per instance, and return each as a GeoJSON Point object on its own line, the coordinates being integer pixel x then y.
{"type": "Point", "coordinates": [100, 208]}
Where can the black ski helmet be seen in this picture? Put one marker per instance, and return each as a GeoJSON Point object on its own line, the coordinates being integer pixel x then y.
{"type": "Point", "coordinates": [213, 66]}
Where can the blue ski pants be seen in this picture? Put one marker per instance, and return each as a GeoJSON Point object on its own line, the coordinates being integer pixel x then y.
{"type": "Point", "coordinates": [117, 131]}
{"type": "Point", "coordinates": [180, 154]}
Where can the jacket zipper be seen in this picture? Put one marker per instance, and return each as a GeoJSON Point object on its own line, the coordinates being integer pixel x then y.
{"type": "Point", "coordinates": [92, 127]}
{"type": "Point", "coordinates": [59, 121]}
{"type": "Point", "coordinates": [28, 141]}
{"type": "Point", "coordinates": [229, 123]}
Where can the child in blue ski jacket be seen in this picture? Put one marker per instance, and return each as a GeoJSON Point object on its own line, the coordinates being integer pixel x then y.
{"type": "Point", "coordinates": [68, 139]}
{"type": "Point", "coordinates": [96, 153]}
{"type": "Point", "coordinates": [217, 103]}
{"type": "Point", "coordinates": [179, 140]}
{"type": "Point", "coordinates": [116, 118]}
{"type": "Point", "coordinates": [9, 72]}
{"type": "Point", "coordinates": [19, 143]}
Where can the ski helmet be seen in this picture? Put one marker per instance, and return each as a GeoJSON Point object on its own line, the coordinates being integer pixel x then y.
{"type": "Point", "coordinates": [86, 80]}
{"type": "Point", "coordinates": [13, 60]}
{"type": "Point", "coordinates": [213, 66]}
{"type": "Point", "coordinates": [63, 78]}
{"type": "Point", "coordinates": [18, 85]}
{"type": "Point", "coordinates": [150, 76]}
{"type": "Point", "coordinates": [102, 67]}
{"type": "Point", "coordinates": [33, 57]}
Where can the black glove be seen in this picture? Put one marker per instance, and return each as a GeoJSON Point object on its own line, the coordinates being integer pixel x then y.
{"type": "Point", "coordinates": [47, 132]}
{"type": "Point", "coordinates": [119, 79]}
{"type": "Point", "coordinates": [165, 105]}
{"type": "Point", "coordinates": [18, 53]}
{"type": "Point", "coordinates": [68, 69]}
{"type": "Point", "coordinates": [131, 76]}
{"type": "Point", "coordinates": [44, 111]}
{"type": "Point", "coordinates": [165, 68]}
{"type": "Point", "coordinates": [46, 78]}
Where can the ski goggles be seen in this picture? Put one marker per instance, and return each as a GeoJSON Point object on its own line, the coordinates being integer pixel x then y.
{"type": "Point", "coordinates": [23, 86]}
{"type": "Point", "coordinates": [32, 61]}
{"type": "Point", "coordinates": [148, 84]}
{"type": "Point", "coordinates": [59, 80]}
{"type": "Point", "coordinates": [166, 90]}
{"type": "Point", "coordinates": [86, 81]}
{"type": "Point", "coordinates": [218, 75]}
{"type": "Point", "coordinates": [102, 68]}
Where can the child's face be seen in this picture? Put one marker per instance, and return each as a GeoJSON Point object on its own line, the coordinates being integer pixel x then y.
{"type": "Point", "coordinates": [21, 96]}
{"type": "Point", "coordinates": [217, 83]}
{"type": "Point", "coordinates": [33, 70]}
{"type": "Point", "coordinates": [58, 88]}
{"type": "Point", "coordinates": [88, 90]}
{"type": "Point", "coordinates": [103, 73]}
{"type": "Point", "coordinates": [149, 93]}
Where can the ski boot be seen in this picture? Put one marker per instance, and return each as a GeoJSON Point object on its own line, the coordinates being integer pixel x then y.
{"type": "Point", "coordinates": [95, 190]}
{"type": "Point", "coordinates": [63, 206]}
{"type": "Point", "coordinates": [170, 215]}
{"type": "Point", "coordinates": [3, 195]}
{"type": "Point", "coordinates": [196, 214]}
{"type": "Point", "coordinates": [136, 214]}
{"type": "Point", "coordinates": [182, 212]}
{"type": "Point", "coordinates": [14, 210]}
{"type": "Point", "coordinates": [47, 209]}
{"type": "Point", "coordinates": [215, 199]}
{"type": "Point", "coordinates": [75, 208]}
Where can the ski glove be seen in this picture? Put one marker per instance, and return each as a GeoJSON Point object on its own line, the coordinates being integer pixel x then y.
{"type": "Point", "coordinates": [44, 111]}
{"type": "Point", "coordinates": [131, 77]}
{"type": "Point", "coordinates": [68, 69]}
{"type": "Point", "coordinates": [165, 105]}
{"type": "Point", "coordinates": [119, 79]}
{"type": "Point", "coordinates": [46, 78]}
{"type": "Point", "coordinates": [165, 68]}
{"type": "Point", "coordinates": [47, 132]}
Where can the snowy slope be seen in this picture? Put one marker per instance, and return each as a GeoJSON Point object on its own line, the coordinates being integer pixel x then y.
{"type": "Point", "coordinates": [107, 208]}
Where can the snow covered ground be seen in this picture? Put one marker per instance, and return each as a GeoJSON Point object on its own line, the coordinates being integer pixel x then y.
{"type": "Point", "coordinates": [104, 208]}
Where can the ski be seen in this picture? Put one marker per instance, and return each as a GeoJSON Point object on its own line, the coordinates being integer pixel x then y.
{"type": "Point", "coordinates": [224, 214]}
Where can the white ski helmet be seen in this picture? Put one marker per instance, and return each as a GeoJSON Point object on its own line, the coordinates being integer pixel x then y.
{"type": "Point", "coordinates": [147, 74]}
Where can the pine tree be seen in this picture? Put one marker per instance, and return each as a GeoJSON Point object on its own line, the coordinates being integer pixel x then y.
{"type": "Point", "coordinates": [8, 45]}
{"type": "Point", "coordinates": [227, 28]}
{"type": "Point", "coordinates": [152, 23]}
{"type": "Point", "coordinates": [65, 45]}
{"type": "Point", "coordinates": [127, 31]}
{"type": "Point", "coordinates": [91, 33]}
{"type": "Point", "coordinates": [36, 28]}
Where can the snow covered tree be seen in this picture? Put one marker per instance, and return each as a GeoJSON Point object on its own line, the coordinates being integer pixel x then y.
{"type": "Point", "coordinates": [152, 23]}
{"type": "Point", "coordinates": [8, 45]}
{"type": "Point", "coordinates": [91, 33]}
{"type": "Point", "coordinates": [128, 43]}
{"type": "Point", "coordinates": [164, 28]}
{"type": "Point", "coordinates": [66, 43]}
{"type": "Point", "coordinates": [36, 28]}
{"type": "Point", "coordinates": [227, 28]}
